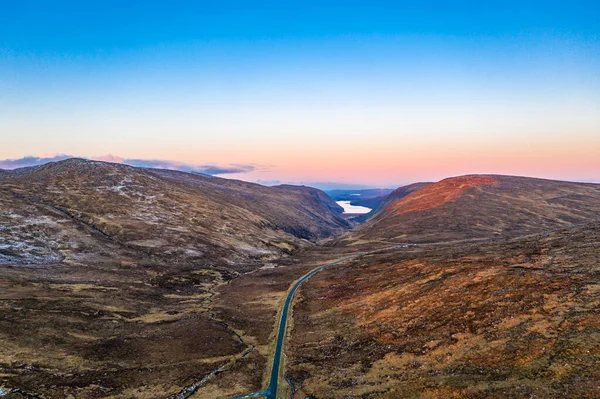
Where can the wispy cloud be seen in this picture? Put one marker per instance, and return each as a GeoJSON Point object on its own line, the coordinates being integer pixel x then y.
{"type": "Point", "coordinates": [320, 185]}
{"type": "Point", "coordinates": [209, 169]}
{"type": "Point", "coordinates": [336, 185]}
{"type": "Point", "coordinates": [31, 161]}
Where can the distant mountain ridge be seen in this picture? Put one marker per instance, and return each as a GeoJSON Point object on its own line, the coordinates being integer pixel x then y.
{"type": "Point", "coordinates": [480, 206]}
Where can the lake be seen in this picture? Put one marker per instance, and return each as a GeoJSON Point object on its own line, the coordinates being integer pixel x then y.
{"type": "Point", "coordinates": [349, 208]}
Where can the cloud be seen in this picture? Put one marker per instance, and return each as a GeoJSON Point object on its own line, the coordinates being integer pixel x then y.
{"type": "Point", "coordinates": [31, 161]}
{"type": "Point", "coordinates": [221, 170]}
{"type": "Point", "coordinates": [209, 169]}
{"type": "Point", "coordinates": [269, 182]}
{"type": "Point", "coordinates": [108, 158]}
{"type": "Point", "coordinates": [336, 186]}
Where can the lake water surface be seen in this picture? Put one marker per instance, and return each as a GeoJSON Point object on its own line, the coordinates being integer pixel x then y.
{"type": "Point", "coordinates": [348, 208]}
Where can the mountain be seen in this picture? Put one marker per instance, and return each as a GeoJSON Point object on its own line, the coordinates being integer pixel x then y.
{"type": "Point", "coordinates": [400, 193]}
{"type": "Point", "coordinates": [168, 213]}
{"type": "Point", "coordinates": [509, 318]}
{"type": "Point", "coordinates": [480, 206]}
{"type": "Point", "coordinates": [393, 196]}
{"type": "Point", "coordinates": [108, 273]}
{"type": "Point", "coordinates": [126, 282]}
{"type": "Point", "coordinates": [318, 195]}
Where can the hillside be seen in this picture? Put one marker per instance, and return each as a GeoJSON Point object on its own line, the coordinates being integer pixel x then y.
{"type": "Point", "coordinates": [176, 214]}
{"type": "Point", "coordinates": [395, 195]}
{"type": "Point", "coordinates": [316, 194]}
{"type": "Point", "coordinates": [108, 273]}
{"type": "Point", "coordinates": [140, 283]}
{"type": "Point", "coordinates": [398, 194]}
{"type": "Point", "coordinates": [481, 206]}
{"type": "Point", "coordinates": [514, 318]}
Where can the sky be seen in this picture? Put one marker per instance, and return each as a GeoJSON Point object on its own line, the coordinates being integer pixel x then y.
{"type": "Point", "coordinates": [352, 93]}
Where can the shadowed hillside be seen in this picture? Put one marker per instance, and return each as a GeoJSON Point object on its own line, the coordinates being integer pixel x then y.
{"type": "Point", "coordinates": [176, 214]}
{"type": "Point", "coordinates": [481, 206]}
{"type": "Point", "coordinates": [108, 273]}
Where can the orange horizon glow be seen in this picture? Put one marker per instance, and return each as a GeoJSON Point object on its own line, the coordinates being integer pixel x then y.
{"type": "Point", "coordinates": [415, 93]}
{"type": "Point", "coordinates": [375, 164]}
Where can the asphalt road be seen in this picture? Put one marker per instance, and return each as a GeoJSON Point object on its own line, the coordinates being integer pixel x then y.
{"type": "Point", "coordinates": [271, 391]}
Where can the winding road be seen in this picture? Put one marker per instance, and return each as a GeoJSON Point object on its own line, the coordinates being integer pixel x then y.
{"type": "Point", "coordinates": [271, 391]}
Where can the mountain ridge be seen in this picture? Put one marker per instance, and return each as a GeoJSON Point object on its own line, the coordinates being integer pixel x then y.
{"type": "Point", "coordinates": [476, 206]}
{"type": "Point", "coordinates": [179, 213]}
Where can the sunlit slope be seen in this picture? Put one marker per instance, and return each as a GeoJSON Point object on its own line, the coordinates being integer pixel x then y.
{"type": "Point", "coordinates": [514, 318]}
{"type": "Point", "coordinates": [482, 206]}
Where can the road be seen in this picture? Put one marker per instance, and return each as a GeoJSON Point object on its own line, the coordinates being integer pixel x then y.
{"type": "Point", "coordinates": [271, 391]}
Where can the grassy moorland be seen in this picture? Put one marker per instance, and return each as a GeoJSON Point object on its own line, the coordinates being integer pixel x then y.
{"type": "Point", "coordinates": [108, 273]}
{"type": "Point", "coordinates": [508, 318]}
{"type": "Point", "coordinates": [119, 282]}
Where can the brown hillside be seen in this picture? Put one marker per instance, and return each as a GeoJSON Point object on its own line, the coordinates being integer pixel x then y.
{"type": "Point", "coordinates": [108, 274]}
{"type": "Point", "coordinates": [395, 195]}
{"type": "Point", "coordinates": [510, 319]}
{"type": "Point", "coordinates": [437, 194]}
{"type": "Point", "coordinates": [470, 207]}
{"type": "Point", "coordinates": [177, 214]}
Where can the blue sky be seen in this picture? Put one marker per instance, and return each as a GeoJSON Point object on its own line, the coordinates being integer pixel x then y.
{"type": "Point", "coordinates": [374, 93]}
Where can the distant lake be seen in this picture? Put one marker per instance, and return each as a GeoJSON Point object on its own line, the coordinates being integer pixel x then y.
{"type": "Point", "coordinates": [348, 208]}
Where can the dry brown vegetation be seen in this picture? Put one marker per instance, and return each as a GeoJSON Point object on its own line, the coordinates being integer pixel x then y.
{"type": "Point", "coordinates": [108, 274]}
{"type": "Point", "coordinates": [108, 329]}
{"type": "Point", "coordinates": [178, 214]}
{"type": "Point", "coordinates": [474, 207]}
{"type": "Point", "coordinates": [435, 195]}
{"type": "Point", "coordinates": [500, 319]}
{"type": "Point", "coordinates": [119, 282]}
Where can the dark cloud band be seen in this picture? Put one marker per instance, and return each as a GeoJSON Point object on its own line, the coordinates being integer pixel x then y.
{"type": "Point", "coordinates": [210, 169]}
{"type": "Point", "coordinates": [30, 161]}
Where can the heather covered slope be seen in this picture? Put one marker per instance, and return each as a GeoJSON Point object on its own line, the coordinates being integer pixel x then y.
{"type": "Point", "coordinates": [34, 233]}
{"type": "Point", "coordinates": [177, 214]}
{"type": "Point", "coordinates": [108, 274]}
{"type": "Point", "coordinates": [398, 194]}
{"type": "Point", "coordinates": [510, 318]}
{"type": "Point", "coordinates": [394, 196]}
{"type": "Point", "coordinates": [480, 206]}
{"type": "Point", "coordinates": [316, 194]}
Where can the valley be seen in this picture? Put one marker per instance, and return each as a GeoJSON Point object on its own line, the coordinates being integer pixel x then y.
{"type": "Point", "coordinates": [300, 200]}
{"type": "Point", "coordinates": [109, 273]}
{"type": "Point", "coordinates": [122, 282]}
